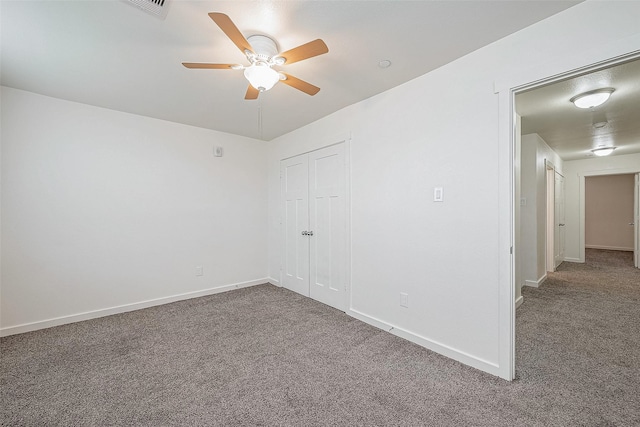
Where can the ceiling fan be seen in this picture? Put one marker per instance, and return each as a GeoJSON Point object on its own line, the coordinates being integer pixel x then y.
{"type": "Point", "coordinates": [262, 53]}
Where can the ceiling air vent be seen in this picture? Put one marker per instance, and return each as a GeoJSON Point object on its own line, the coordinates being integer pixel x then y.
{"type": "Point", "coordinates": [154, 7]}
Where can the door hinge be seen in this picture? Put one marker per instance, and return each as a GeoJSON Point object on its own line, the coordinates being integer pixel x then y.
{"type": "Point", "coordinates": [511, 250]}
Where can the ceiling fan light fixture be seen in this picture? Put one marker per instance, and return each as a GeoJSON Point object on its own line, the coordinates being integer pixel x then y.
{"type": "Point", "coordinates": [603, 151]}
{"type": "Point", "coordinates": [592, 98]}
{"type": "Point", "coordinates": [261, 76]}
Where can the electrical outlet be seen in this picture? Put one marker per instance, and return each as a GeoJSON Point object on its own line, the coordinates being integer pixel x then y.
{"type": "Point", "coordinates": [404, 300]}
{"type": "Point", "coordinates": [438, 194]}
{"type": "Point", "coordinates": [199, 270]}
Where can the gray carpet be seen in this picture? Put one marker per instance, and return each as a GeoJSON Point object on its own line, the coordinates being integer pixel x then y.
{"type": "Point", "coordinates": [267, 356]}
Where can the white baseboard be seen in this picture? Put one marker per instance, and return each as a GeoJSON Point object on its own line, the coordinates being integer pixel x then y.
{"type": "Point", "coordinates": [535, 283]}
{"type": "Point", "coordinates": [274, 282]}
{"type": "Point", "coordinates": [519, 301]}
{"type": "Point", "coordinates": [609, 248]}
{"type": "Point", "coordinates": [63, 320]}
{"type": "Point", "coordinates": [445, 350]}
{"type": "Point", "coordinates": [578, 260]}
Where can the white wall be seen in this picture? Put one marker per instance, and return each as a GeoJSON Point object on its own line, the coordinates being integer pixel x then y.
{"type": "Point", "coordinates": [101, 209]}
{"type": "Point", "coordinates": [575, 172]}
{"type": "Point", "coordinates": [443, 129]}
{"type": "Point", "coordinates": [534, 214]}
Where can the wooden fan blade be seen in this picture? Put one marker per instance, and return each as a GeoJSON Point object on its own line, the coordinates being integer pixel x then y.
{"type": "Point", "coordinates": [252, 93]}
{"type": "Point", "coordinates": [305, 87]}
{"type": "Point", "coordinates": [209, 66]}
{"type": "Point", "coordinates": [305, 51]}
{"type": "Point", "coordinates": [230, 29]}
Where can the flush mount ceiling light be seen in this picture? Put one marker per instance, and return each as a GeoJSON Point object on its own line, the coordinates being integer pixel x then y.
{"type": "Point", "coordinates": [592, 98]}
{"type": "Point", "coordinates": [603, 151]}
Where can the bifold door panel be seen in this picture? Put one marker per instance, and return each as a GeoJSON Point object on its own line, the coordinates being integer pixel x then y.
{"type": "Point", "coordinates": [295, 212]}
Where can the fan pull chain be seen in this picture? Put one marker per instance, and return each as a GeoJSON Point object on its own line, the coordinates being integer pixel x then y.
{"type": "Point", "coordinates": [260, 120]}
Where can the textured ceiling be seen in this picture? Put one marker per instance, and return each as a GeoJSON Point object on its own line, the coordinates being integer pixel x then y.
{"type": "Point", "coordinates": [569, 130]}
{"type": "Point", "coordinates": [113, 55]}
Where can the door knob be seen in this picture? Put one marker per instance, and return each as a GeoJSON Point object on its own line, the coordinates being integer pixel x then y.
{"type": "Point", "coordinates": [561, 225]}
{"type": "Point", "coordinates": [310, 233]}
{"type": "Point", "coordinates": [632, 223]}
{"type": "Point", "coordinates": [305, 233]}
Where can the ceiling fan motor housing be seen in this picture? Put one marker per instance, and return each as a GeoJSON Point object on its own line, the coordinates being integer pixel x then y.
{"type": "Point", "coordinates": [264, 48]}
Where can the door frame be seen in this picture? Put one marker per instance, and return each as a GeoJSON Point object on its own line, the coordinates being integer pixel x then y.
{"type": "Point", "coordinates": [567, 66]}
{"type": "Point", "coordinates": [309, 148]}
{"type": "Point", "coordinates": [549, 249]}
{"type": "Point", "coordinates": [559, 233]}
{"type": "Point", "coordinates": [636, 221]}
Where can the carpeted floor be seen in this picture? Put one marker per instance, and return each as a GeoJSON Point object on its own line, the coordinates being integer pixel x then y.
{"type": "Point", "coordinates": [267, 356]}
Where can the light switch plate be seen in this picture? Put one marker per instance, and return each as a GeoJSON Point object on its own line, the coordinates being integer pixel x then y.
{"type": "Point", "coordinates": [217, 151]}
{"type": "Point", "coordinates": [404, 300]}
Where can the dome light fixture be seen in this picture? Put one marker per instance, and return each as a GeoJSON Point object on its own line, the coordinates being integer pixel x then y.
{"type": "Point", "coordinates": [603, 151]}
{"type": "Point", "coordinates": [593, 98]}
{"type": "Point", "coordinates": [261, 76]}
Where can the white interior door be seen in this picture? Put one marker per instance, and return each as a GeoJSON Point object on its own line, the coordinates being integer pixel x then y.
{"type": "Point", "coordinates": [314, 245]}
{"type": "Point", "coordinates": [294, 181]}
{"type": "Point", "coordinates": [559, 235]}
{"type": "Point", "coordinates": [327, 220]}
{"type": "Point", "coordinates": [636, 222]}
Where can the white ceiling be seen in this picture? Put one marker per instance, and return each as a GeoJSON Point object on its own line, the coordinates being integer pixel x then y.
{"type": "Point", "coordinates": [113, 55]}
{"type": "Point", "coordinates": [569, 130]}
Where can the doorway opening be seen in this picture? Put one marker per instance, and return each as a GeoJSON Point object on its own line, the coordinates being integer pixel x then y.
{"type": "Point", "coordinates": [609, 211]}
{"type": "Point", "coordinates": [548, 188]}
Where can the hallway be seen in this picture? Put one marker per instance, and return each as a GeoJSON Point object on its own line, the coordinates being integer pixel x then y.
{"type": "Point", "coordinates": [581, 331]}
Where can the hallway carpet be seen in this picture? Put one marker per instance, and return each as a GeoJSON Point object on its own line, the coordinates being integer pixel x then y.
{"type": "Point", "coordinates": [266, 356]}
{"type": "Point", "coordinates": [578, 340]}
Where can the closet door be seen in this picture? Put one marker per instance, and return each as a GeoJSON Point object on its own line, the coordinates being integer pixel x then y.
{"type": "Point", "coordinates": [327, 221]}
{"type": "Point", "coordinates": [314, 226]}
{"type": "Point", "coordinates": [294, 182]}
